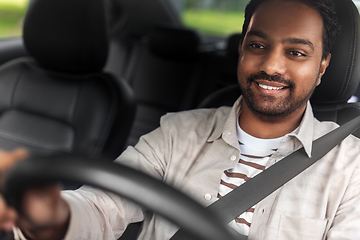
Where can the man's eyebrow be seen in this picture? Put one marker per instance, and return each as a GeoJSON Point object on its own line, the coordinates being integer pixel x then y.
{"type": "Point", "coordinates": [299, 41]}
{"type": "Point", "coordinates": [257, 33]}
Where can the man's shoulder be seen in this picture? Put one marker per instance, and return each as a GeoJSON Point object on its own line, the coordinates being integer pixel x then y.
{"type": "Point", "coordinates": [353, 142]}
{"type": "Point", "coordinates": [324, 127]}
{"type": "Point", "coordinates": [349, 148]}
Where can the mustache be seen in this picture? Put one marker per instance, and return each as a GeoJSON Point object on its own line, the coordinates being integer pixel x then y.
{"type": "Point", "coordinates": [272, 78]}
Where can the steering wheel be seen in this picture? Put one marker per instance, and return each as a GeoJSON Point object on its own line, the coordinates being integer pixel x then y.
{"type": "Point", "coordinates": [121, 180]}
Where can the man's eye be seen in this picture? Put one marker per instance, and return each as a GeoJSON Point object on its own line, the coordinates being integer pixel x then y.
{"type": "Point", "coordinates": [297, 54]}
{"type": "Point", "coordinates": [256, 46]}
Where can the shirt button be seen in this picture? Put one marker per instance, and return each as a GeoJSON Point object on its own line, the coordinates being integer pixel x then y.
{"type": "Point", "coordinates": [207, 196]}
{"type": "Point", "coordinates": [233, 158]}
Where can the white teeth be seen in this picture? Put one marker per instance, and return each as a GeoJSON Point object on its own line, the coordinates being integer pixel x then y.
{"type": "Point", "coordinates": [269, 87]}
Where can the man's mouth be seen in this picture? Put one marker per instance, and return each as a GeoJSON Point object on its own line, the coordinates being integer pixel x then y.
{"type": "Point", "coordinates": [270, 84]}
{"type": "Point", "coordinates": [266, 87]}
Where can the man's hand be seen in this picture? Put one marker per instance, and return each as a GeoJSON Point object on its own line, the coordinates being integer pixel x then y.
{"type": "Point", "coordinates": [8, 216]}
{"type": "Point", "coordinates": [43, 214]}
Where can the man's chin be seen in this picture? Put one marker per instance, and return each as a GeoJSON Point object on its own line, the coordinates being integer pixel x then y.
{"type": "Point", "coordinates": [273, 112]}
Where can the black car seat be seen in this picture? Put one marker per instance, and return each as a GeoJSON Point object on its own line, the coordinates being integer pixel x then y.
{"type": "Point", "coordinates": [161, 72]}
{"type": "Point", "coordinates": [59, 99]}
{"type": "Point", "coordinates": [339, 83]}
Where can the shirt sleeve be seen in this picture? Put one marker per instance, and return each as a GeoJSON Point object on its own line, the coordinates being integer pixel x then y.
{"type": "Point", "coordinates": [96, 214]}
{"type": "Point", "coordinates": [154, 150]}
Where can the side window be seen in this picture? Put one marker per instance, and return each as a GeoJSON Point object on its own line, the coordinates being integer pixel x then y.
{"type": "Point", "coordinates": [12, 14]}
{"type": "Point", "coordinates": [213, 17]}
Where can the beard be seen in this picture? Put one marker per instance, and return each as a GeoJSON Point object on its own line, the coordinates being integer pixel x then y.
{"type": "Point", "coordinates": [271, 107]}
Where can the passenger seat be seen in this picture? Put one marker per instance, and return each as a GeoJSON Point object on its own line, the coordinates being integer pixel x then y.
{"type": "Point", "coordinates": [162, 72]}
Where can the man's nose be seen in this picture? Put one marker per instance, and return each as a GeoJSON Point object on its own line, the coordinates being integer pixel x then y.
{"type": "Point", "coordinates": [274, 63]}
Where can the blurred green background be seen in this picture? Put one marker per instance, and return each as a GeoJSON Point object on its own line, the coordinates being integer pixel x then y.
{"type": "Point", "coordinates": [11, 17]}
{"type": "Point", "coordinates": [213, 22]}
{"type": "Point", "coordinates": [211, 17]}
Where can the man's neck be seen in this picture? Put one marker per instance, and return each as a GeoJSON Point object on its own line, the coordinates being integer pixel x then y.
{"type": "Point", "coordinates": [262, 127]}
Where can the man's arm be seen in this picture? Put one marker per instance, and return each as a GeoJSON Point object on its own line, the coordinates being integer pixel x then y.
{"type": "Point", "coordinates": [90, 213]}
{"type": "Point", "coordinates": [47, 212]}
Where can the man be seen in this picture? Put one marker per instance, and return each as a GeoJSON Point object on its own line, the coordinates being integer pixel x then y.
{"type": "Point", "coordinates": [206, 153]}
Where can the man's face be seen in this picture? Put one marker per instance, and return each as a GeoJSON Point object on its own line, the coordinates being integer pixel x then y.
{"type": "Point", "coordinates": [280, 60]}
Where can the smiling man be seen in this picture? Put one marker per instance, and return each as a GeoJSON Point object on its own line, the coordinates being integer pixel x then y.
{"type": "Point", "coordinates": [281, 63]}
{"type": "Point", "coordinates": [208, 152]}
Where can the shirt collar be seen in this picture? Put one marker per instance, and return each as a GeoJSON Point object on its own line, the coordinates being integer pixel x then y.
{"type": "Point", "coordinates": [227, 129]}
{"type": "Point", "coordinates": [304, 133]}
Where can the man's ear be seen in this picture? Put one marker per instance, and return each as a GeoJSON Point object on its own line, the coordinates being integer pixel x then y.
{"type": "Point", "coordinates": [323, 66]}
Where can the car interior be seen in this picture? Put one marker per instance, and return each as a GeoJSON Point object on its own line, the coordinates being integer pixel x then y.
{"type": "Point", "coordinates": [91, 77]}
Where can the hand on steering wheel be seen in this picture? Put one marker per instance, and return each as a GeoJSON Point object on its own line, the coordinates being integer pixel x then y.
{"type": "Point", "coordinates": [116, 178]}
{"type": "Point", "coordinates": [40, 208]}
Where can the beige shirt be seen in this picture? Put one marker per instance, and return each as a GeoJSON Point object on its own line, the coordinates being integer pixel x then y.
{"type": "Point", "coordinates": [191, 150]}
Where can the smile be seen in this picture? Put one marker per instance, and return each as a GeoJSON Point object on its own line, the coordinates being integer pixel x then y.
{"type": "Point", "coordinates": [269, 87]}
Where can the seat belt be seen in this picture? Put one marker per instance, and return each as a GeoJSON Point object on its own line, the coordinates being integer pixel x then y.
{"type": "Point", "coordinates": [244, 197]}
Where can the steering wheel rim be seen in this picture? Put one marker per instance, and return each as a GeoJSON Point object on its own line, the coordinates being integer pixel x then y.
{"type": "Point", "coordinates": [117, 178]}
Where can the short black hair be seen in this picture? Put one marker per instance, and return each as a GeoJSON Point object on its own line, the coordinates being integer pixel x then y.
{"type": "Point", "coordinates": [326, 9]}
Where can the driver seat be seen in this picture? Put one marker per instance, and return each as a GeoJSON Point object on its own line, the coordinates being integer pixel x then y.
{"type": "Point", "coordinates": [339, 83]}
{"type": "Point", "coordinates": [59, 100]}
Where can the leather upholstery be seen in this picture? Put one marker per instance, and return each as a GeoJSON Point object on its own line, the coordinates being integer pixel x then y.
{"type": "Point", "coordinates": [170, 42]}
{"type": "Point", "coordinates": [167, 57]}
{"type": "Point", "coordinates": [67, 35]}
{"type": "Point", "coordinates": [59, 100]}
{"type": "Point", "coordinates": [343, 74]}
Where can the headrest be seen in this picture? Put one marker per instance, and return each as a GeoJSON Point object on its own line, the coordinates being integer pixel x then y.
{"type": "Point", "coordinates": [343, 74]}
{"type": "Point", "coordinates": [174, 42]}
{"type": "Point", "coordinates": [232, 45]}
{"type": "Point", "coordinates": [67, 35]}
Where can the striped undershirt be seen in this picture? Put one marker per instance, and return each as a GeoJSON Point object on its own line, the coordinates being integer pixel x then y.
{"type": "Point", "coordinates": [255, 153]}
